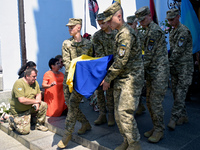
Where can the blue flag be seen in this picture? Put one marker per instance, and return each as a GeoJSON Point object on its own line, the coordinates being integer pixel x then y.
{"type": "Point", "coordinates": [189, 19]}
{"type": "Point", "coordinates": [93, 9]}
{"type": "Point", "coordinates": [89, 74]}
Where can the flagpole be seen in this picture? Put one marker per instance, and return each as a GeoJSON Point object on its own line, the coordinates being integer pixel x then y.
{"type": "Point", "coordinates": [84, 17]}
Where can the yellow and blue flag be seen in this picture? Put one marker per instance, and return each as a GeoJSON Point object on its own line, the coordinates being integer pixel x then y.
{"type": "Point", "coordinates": [190, 19]}
{"type": "Point", "coordinates": [86, 73]}
{"type": "Point", "coordinates": [116, 1]}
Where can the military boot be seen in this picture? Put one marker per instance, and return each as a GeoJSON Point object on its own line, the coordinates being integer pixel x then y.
{"type": "Point", "coordinates": [100, 120]}
{"type": "Point", "coordinates": [111, 120]}
{"type": "Point", "coordinates": [134, 146]}
{"type": "Point", "coordinates": [172, 124]}
{"type": "Point", "coordinates": [182, 120]}
{"type": "Point", "coordinates": [123, 146]}
{"type": "Point", "coordinates": [149, 133]}
{"type": "Point", "coordinates": [85, 127]}
{"type": "Point", "coordinates": [63, 143]}
{"type": "Point", "coordinates": [156, 137]}
{"type": "Point", "coordinates": [140, 109]}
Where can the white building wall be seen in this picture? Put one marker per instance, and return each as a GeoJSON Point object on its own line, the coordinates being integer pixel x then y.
{"type": "Point", "coordinates": [10, 45]}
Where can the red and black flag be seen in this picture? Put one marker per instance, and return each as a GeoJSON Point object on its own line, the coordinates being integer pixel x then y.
{"type": "Point", "coordinates": [93, 9]}
{"type": "Point", "coordinates": [153, 12]}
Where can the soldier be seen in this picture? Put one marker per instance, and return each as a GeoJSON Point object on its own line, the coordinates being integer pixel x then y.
{"type": "Point", "coordinates": [103, 41]}
{"type": "Point", "coordinates": [26, 103]}
{"type": "Point", "coordinates": [156, 68]}
{"type": "Point", "coordinates": [127, 72]}
{"type": "Point", "coordinates": [73, 48]}
{"type": "Point", "coordinates": [132, 21]}
{"type": "Point", "coordinates": [181, 66]}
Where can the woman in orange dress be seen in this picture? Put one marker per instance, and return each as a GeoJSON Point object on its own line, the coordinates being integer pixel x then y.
{"type": "Point", "coordinates": [53, 85]}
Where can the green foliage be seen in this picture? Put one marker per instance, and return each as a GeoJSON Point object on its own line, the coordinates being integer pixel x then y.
{"type": "Point", "coordinates": [165, 26]}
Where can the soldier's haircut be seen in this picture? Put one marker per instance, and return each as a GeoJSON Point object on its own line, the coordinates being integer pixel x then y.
{"type": "Point", "coordinates": [120, 12]}
{"type": "Point", "coordinates": [29, 70]}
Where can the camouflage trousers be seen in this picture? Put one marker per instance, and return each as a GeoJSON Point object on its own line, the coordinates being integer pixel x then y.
{"type": "Point", "coordinates": [66, 92]}
{"type": "Point", "coordinates": [180, 85]}
{"type": "Point", "coordinates": [105, 100]}
{"type": "Point", "coordinates": [74, 112]}
{"type": "Point", "coordinates": [155, 92]}
{"type": "Point", "coordinates": [125, 103]}
{"type": "Point", "coordinates": [22, 122]}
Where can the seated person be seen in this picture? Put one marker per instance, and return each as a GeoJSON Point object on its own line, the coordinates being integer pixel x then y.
{"type": "Point", "coordinates": [26, 102]}
{"type": "Point", "coordinates": [24, 67]}
{"type": "Point", "coordinates": [53, 85]}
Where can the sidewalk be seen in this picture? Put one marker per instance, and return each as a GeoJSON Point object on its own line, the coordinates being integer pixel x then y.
{"type": "Point", "coordinates": [185, 137]}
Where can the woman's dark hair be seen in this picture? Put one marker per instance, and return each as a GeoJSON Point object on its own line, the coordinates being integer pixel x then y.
{"type": "Point", "coordinates": [24, 67]}
{"type": "Point", "coordinates": [52, 61]}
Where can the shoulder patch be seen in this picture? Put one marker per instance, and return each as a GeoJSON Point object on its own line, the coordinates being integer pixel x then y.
{"type": "Point", "coordinates": [19, 89]}
{"type": "Point", "coordinates": [181, 40]}
{"type": "Point", "coordinates": [151, 44]}
{"type": "Point", "coordinates": [122, 50]}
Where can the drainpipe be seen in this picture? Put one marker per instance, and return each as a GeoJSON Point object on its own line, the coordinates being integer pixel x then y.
{"type": "Point", "coordinates": [22, 31]}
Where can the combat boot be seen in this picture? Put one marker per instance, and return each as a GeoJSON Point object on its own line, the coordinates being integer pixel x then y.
{"type": "Point", "coordinates": [111, 120]}
{"type": "Point", "coordinates": [156, 137]}
{"type": "Point", "coordinates": [123, 146]}
{"type": "Point", "coordinates": [140, 109]}
{"type": "Point", "coordinates": [63, 143]}
{"type": "Point", "coordinates": [85, 127]}
{"type": "Point", "coordinates": [172, 124]}
{"type": "Point", "coordinates": [134, 146]}
{"type": "Point", "coordinates": [100, 120]}
{"type": "Point", "coordinates": [11, 126]}
{"type": "Point", "coordinates": [182, 120]}
{"type": "Point", "coordinates": [149, 133]}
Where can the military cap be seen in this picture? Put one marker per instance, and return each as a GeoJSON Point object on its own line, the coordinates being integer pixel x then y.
{"type": "Point", "coordinates": [131, 19]}
{"type": "Point", "coordinates": [100, 16]}
{"type": "Point", "coordinates": [172, 13]}
{"type": "Point", "coordinates": [110, 11]}
{"type": "Point", "coordinates": [74, 21]}
{"type": "Point", "coordinates": [142, 12]}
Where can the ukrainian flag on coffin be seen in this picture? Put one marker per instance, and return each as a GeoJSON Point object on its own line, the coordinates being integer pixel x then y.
{"type": "Point", "coordinates": [89, 73]}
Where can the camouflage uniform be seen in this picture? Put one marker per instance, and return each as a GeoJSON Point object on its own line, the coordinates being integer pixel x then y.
{"type": "Point", "coordinates": [156, 66]}
{"type": "Point", "coordinates": [103, 45]}
{"type": "Point", "coordinates": [71, 50]}
{"type": "Point", "coordinates": [21, 115]}
{"type": "Point", "coordinates": [181, 68]}
{"type": "Point", "coordinates": [157, 72]}
{"type": "Point", "coordinates": [128, 74]}
{"type": "Point", "coordinates": [132, 21]}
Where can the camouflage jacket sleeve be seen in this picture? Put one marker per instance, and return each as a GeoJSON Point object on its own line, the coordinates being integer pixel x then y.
{"type": "Point", "coordinates": [66, 54]}
{"type": "Point", "coordinates": [181, 45]}
{"type": "Point", "coordinates": [98, 45]}
{"type": "Point", "coordinates": [121, 54]}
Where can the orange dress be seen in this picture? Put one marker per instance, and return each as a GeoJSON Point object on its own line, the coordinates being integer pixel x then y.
{"type": "Point", "coordinates": [54, 96]}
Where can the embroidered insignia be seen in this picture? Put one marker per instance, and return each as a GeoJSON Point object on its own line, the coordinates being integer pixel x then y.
{"type": "Point", "coordinates": [181, 40]}
{"type": "Point", "coordinates": [19, 89]}
{"type": "Point", "coordinates": [122, 50]}
{"type": "Point", "coordinates": [150, 44]}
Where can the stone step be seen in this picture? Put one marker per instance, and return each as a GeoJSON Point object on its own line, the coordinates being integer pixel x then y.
{"type": "Point", "coordinates": [37, 140]}
{"type": "Point", "coordinates": [98, 138]}
{"type": "Point", "coordinates": [9, 143]}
